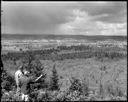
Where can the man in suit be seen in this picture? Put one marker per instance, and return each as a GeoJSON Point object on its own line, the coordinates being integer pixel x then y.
{"type": "Point", "coordinates": [23, 81]}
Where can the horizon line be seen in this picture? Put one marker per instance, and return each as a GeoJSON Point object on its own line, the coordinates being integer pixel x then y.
{"type": "Point", "coordinates": [61, 34]}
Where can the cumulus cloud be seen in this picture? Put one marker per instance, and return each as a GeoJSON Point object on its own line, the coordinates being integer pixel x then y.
{"type": "Point", "coordinates": [86, 24]}
{"type": "Point", "coordinates": [116, 11]}
{"type": "Point", "coordinates": [86, 18]}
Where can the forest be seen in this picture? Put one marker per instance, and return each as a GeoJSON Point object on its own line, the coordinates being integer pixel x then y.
{"type": "Point", "coordinates": [71, 73]}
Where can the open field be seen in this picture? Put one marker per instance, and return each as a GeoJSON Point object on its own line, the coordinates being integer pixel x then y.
{"type": "Point", "coordinates": [40, 42]}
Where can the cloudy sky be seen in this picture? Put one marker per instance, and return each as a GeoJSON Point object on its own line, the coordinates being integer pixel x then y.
{"type": "Point", "coordinates": [84, 18]}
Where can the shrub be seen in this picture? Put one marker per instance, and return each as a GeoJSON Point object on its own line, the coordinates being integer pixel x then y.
{"type": "Point", "coordinates": [7, 81]}
{"type": "Point", "coordinates": [75, 85]}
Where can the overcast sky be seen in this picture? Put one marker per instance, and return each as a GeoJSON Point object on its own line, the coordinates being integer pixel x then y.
{"type": "Point", "coordinates": [84, 18]}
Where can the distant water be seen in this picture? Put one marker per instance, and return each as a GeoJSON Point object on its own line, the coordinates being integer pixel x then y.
{"type": "Point", "coordinates": [60, 37]}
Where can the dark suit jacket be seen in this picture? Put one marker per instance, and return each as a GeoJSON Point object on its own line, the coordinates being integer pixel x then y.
{"type": "Point", "coordinates": [25, 84]}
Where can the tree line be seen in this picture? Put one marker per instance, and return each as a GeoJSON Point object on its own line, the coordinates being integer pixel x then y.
{"type": "Point", "coordinates": [73, 52]}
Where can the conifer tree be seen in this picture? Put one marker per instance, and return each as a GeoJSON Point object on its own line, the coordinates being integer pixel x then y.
{"type": "Point", "coordinates": [54, 79]}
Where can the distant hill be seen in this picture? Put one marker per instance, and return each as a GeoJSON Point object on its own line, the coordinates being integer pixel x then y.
{"type": "Point", "coordinates": [60, 37]}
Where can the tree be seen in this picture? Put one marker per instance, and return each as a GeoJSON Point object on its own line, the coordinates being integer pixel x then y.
{"type": "Point", "coordinates": [54, 79]}
{"type": "Point", "coordinates": [85, 86]}
{"type": "Point", "coordinates": [38, 70]}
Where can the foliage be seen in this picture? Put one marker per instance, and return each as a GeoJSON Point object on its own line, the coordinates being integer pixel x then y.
{"type": "Point", "coordinates": [85, 87]}
{"type": "Point", "coordinates": [54, 84]}
{"type": "Point", "coordinates": [72, 52]}
{"type": "Point", "coordinates": [79, 89]}
{"type": "Point", "coordinates": [36, 69]}
{"type": "Point", "coordinates": [75, 85]}
{"type": "Point", "coordinates": [7, 81]}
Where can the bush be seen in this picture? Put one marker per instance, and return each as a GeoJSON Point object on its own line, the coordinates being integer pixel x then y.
{"type": "Point", "coordinates": [7, 81]}
{"type": "Point", "coordinates": [75, 85]}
